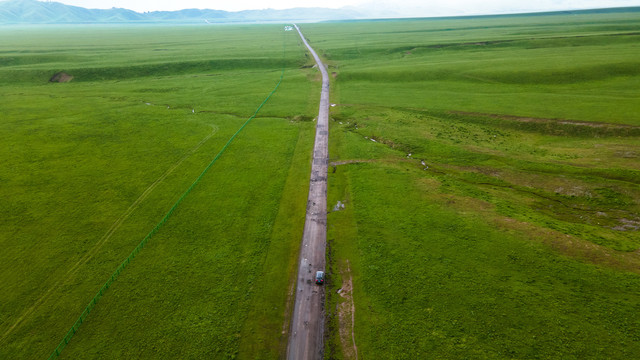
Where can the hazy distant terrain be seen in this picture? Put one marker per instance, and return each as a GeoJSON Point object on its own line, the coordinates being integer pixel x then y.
{"type": "Point", "coordinates": [32, 11]}
{"type": "Point", "coordinates": [38, 12]}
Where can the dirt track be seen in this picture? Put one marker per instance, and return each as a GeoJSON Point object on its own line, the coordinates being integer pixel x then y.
{"type": "Point", "coordinates": [307, 323]}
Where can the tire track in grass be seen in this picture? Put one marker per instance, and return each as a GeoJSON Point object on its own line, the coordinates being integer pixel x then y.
{"type": "Point", "coordinates": [105, 238]}
{"type": "Point", "coordinates": [348, 307]}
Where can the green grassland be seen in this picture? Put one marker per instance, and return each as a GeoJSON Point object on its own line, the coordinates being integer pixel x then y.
{"type": "Point", "coordinates": [91, 166]}
{"type": "Point", "coordinates": [489, 168]}
{"type": "Point", "coordinates": [491, 175]}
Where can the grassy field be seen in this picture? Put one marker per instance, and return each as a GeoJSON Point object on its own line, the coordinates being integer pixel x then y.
{"type": "Point", "coordinates": [489, 169]}
{"type": "Point", "coordinates": [490, 173]}
{"type": "Point", "coordinates": [91, 166]}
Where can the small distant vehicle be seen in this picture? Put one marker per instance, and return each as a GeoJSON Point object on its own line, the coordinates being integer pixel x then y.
{"type": "Point", "coordinates": [319, 277]}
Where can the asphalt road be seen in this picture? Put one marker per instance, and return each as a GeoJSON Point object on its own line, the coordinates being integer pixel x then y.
{"type": "Point", "coordinates": [307, 323]}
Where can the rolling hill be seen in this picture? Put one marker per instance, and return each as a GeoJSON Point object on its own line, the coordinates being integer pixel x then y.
{"type": "Point", "coordinates": [38, 12]}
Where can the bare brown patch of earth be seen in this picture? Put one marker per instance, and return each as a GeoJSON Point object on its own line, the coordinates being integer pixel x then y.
{"type": "Point", "coordinates": [61, 77]}
{"type": "Point", "coordinates": [346, 317]}
{"type": "Point", "coordinates": [543, 120]}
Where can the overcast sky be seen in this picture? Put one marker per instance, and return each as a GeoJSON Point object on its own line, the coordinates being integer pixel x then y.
{"type": "Point", "coordinates": [410, 7]}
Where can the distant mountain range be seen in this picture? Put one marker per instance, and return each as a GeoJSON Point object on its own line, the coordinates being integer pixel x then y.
{"type": "Point", "coordinates": [40, 12]}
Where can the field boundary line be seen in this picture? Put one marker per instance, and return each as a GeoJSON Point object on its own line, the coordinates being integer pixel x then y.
{"type": "Point", "coordinates": [105, 238]}
{"type": "Point", "coordinates": [142, 243]}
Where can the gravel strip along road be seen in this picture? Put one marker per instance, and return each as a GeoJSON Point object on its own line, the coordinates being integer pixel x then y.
{"type": "Point", "coordinates": [307, 323]}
